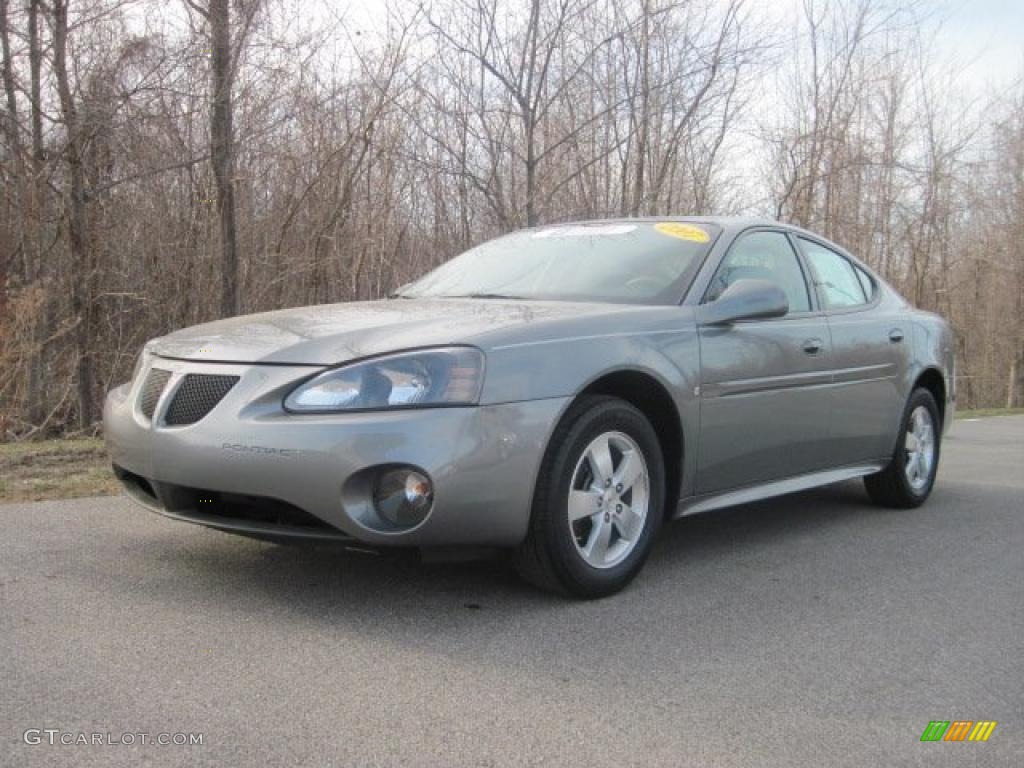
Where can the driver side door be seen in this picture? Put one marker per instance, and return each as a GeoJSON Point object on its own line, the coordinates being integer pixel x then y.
{"type": "Point", "coordinates": [764, 384]}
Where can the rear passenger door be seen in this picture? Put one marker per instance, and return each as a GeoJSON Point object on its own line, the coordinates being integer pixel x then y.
{"type": "Point", "coordinates": [764, 394]}
{"type": "Point", "coordinates": [868, 342]}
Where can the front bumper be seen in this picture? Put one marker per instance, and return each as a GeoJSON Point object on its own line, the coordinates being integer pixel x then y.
{"type": "Point", "coordinates": [483, 460]}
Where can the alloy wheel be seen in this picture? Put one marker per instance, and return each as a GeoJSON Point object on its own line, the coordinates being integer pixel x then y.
{"type": "Point", "coordinates": [609, 498]}
{"type": "Point", "coordinates": [919, 448]}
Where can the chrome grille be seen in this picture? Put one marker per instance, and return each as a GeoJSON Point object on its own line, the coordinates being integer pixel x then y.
{"type": "Point", "coordinates": [152, 388]}
{"type": "Point", "coordinates": [196, 397]}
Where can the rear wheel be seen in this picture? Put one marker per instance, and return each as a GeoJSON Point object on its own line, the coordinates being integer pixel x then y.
{"type": "Point", "coordinates": [598, 501]}
{"type": "Point", "coordinates": [909, 478]}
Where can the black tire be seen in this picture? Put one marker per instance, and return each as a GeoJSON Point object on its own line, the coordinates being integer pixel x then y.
{"type": "Point", "coordinates": [890, 487]}
{"type": "Point", "coordinates": [549, 558]}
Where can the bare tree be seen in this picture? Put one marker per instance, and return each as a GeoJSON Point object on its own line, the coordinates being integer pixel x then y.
{"type": "Point", "coordinates": [75, 200]}
{"type": "Point", "coordinates": [345, 156]}
{"type": "Point", "coordinates": [15, 163]}
{"type": "Point", "coordinates": [1008, 211]}
{"type": "Point", "coordinates": [521, 56]}
{"type": "Point", "coordinates": [226, 45]}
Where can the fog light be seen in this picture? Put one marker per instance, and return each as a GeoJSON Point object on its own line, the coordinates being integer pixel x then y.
{"type": "Point", "coordinates": [403, 496]}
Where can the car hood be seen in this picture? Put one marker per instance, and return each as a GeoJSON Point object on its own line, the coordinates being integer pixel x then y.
{"type": "Point", "coordinates": [335, 333]}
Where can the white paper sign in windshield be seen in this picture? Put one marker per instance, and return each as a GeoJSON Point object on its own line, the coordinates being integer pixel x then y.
{"type": "Point", "coordinates": [586, 231]}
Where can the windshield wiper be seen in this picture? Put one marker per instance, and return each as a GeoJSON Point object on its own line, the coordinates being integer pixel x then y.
{"type": "Point", "coordinates": [481, 296]}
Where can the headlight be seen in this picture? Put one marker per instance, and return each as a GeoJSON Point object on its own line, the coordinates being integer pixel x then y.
{"type": "Point", "coordinates": [448, 376]}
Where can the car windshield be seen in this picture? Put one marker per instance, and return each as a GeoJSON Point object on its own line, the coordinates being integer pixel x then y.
{"type": "Point", "coordinates": [626, 262]}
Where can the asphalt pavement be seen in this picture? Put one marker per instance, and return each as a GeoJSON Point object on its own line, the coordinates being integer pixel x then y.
{"type": "Point", "coordinates": [810, 630]}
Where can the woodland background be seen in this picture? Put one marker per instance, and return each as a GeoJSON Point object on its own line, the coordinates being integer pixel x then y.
{"type": "Point", "coordinates": [164, 163]}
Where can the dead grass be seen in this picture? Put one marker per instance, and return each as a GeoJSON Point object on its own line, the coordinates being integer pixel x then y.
{"type": "Point", "coordinates": [55, 469]}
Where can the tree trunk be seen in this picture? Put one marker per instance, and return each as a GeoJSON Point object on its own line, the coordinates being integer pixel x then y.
{"type": "Point", "coordinates": [1011, 385]}
{"type": "Point", "coordinates": [35, 60]}
{"type": "Point", "coordinates": [222, 151]}
{"type": "Point", "coordinates": [11, 132]}
{"type": "Point", "coordinates": [530, 126]}
{"type": "Point", "coordinates": [37, 269]}
{"type": "Point", "coordinates": [81, 267]}
{"type": "Point", "coordinates": [643, 129]}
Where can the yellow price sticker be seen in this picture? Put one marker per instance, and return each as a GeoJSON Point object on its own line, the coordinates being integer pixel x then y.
{"type": "Point", "coordinates": [683, 231]}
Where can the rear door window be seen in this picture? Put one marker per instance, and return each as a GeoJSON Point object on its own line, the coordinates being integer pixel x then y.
{"type": "Point", "coordinates": [866, 282]}
{"type": "Point", "coordinates": [838, 284]}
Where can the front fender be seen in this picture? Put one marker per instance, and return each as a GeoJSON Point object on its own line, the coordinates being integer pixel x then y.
{"type": "Point", "coordinates": [563, 365]}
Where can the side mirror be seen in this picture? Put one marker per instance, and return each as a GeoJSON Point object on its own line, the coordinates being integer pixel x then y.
{"type": "Point", "coordinates": [745, 299]}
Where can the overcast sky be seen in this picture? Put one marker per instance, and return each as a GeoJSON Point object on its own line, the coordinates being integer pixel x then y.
{"type": "Point", "coordinates": [987, 38]}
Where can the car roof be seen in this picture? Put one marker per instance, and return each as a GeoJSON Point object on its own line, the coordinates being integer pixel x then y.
{"type": "Point", "coordinates": [725, 222]}
{"type": "Point", "coordinates": [730, 224]}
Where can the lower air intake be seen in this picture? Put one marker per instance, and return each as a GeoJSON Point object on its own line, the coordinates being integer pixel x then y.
{"type": "Point", "coordinates": [196, 396]}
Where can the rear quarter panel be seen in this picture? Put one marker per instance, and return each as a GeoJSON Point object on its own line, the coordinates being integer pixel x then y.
{"type": "Point", "coordinates": [934, 349]}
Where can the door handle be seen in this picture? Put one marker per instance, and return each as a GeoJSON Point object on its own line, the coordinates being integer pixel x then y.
{"type": "Point", "coordinates": [812, 346]}
{"type": "Point", "coordinates": [896, 335]}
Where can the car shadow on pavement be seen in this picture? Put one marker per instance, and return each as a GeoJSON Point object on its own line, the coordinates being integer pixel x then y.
{"type": "Point", "coordinates": [762, 523]}
{"type": "Point", "coordinates": [328, 577]}
{"type": "Point", "coordinates": [790, 564]}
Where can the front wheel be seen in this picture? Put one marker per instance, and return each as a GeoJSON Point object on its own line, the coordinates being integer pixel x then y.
{"type": "Point", "coordinates": [598, 502]}
{"type": "Point", "coordinates": [909, 478]}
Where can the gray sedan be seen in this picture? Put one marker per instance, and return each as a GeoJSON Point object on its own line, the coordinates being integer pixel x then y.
{"type": "Point", "coordinates": [556, 393]}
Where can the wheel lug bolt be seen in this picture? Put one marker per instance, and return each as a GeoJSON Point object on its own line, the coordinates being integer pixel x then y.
{"type": "Point", "coordinates": [618, 507]}
{"type": "Point", "coordinates": [607, 482]}
{"type": "Point", "coordinates": [618, 488]}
